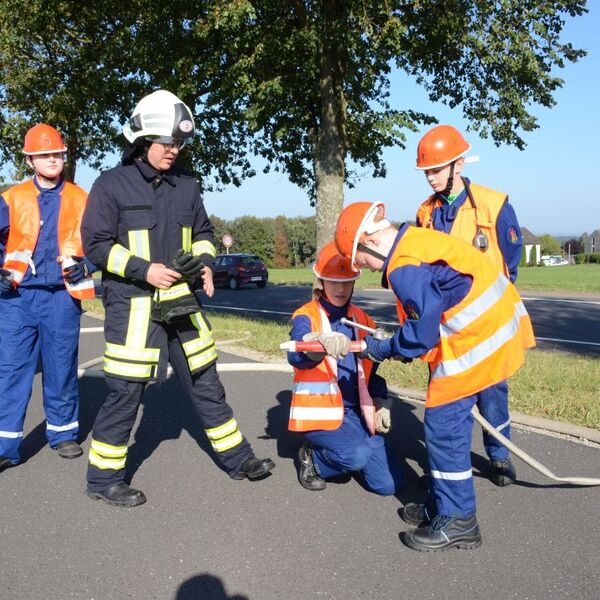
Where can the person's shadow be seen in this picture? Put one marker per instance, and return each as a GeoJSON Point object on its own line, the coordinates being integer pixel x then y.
{"type": "Point", "coordinates": [205, 587]}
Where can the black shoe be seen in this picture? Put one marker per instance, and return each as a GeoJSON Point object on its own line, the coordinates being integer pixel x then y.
{"type": "Point", "coordinates": [69, 449]}
{"type": "Point", "coordinates": [255, 468]}
{"type": "Point", "coordinates": [443, 533]}
{"type": "Point", "coordinates": [418, 514]}
{"type": "Point", "coordinates": [307, 475]}
{"type": "Point", "coordinates": [5, 463]}
{"type": "Point", "coordinates": [119, 494]}
{"type": "Point", "coordinates": [502, 472]}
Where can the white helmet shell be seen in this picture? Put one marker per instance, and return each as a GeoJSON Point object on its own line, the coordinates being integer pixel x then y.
{"type": "Point", "coordinates": [163, 115]}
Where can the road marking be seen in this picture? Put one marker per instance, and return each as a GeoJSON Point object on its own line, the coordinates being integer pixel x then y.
{"type": "Point", "coordinates": [91, 329]}
{"type": "Point", "coordinates": [244, 309]}
{"type": "Point", "coordinates": [545, 339]}
{"type": "Point", "coordinates": [563, 300]}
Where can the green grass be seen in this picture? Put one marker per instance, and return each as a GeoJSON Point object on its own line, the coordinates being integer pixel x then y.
{"type": "Point", "coordinates": [554, 385]}
{"type": "Point", "coordinates": [570, 278]}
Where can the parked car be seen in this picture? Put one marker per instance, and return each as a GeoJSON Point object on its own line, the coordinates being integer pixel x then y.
{"type": "Point", "coordinates": [233, 270]}
{"type": "Point", "coordinates": [554, 261]}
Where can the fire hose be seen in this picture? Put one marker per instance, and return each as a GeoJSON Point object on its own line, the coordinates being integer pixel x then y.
{"type": "Point", "coordinates": [360, 346]}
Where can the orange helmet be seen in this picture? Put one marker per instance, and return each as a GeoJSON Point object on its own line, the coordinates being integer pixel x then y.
{"type": "Point", "coordinates": [355, 221]}
{"type": "Point", "coordinates": [332, 266]}
{"type": "Point", "coordinates": [43, 139]}
{"type": "Point", "coordinates": [440, 146]}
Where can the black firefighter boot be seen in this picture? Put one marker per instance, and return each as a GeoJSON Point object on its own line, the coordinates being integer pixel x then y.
{"type": "Point", "coordinates": [443, 533]}
{"type": "Point", "coordinates": [502, 472]}
{"type": "Point", "coordinates": [255, 468]}
{"type": "Point", "coordinates": [119, 494]}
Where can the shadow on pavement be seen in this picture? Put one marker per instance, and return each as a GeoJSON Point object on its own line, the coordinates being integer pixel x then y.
{"type": "Point", "coordinates": [205, 587]}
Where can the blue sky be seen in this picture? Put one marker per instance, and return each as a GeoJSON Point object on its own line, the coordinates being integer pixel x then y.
{"type": "Point", "coordinates": [552, 183]}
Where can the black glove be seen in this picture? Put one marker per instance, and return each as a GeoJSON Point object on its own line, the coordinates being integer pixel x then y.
{"type": "Point", "coordinates": [6, 279]}
{"type": "Point", "coordinates": [187, 264]}
{"type": "Point", "coordinates": [80, 270]}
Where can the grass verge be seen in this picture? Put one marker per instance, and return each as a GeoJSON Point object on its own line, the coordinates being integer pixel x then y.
{"type": "Point", "coordinates": [552, 384]}
{"type": "Point", "coordinates": [569, 278]}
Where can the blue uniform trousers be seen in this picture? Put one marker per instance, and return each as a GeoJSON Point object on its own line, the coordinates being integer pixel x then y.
{"type": "Point", "coordinates": [448, 435]}
{"type": "Point", "coordinates": [493, 406]}
{"type": "Point", "coordinates": [117, 415]}
{"type": "Point", "coordinates": [38, 323]}
{"type": "Point", "coordinates": [351, 448]}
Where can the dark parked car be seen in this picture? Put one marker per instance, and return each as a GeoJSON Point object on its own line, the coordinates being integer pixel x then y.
{"type": "Point", "coordinates": [233, 270]}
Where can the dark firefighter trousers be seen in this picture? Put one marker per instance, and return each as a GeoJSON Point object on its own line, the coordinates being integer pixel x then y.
{"type": "Point", "coordinates": [117, 416]}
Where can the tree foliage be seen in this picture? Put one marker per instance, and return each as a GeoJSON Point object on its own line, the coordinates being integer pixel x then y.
{"type": "Point", "coordinates": [305, 84]}
{"type": "Point", "coordinates": [549, 245]}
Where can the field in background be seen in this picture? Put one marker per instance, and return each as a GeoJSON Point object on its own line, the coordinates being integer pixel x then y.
{"type": "Point", "coordinates": [570, 278]}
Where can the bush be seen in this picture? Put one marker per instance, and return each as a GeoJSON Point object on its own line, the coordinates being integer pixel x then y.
{"type": "Point", "coordinates": [579, 259]}
{"type": "Point", "coordinates": [594, 258]}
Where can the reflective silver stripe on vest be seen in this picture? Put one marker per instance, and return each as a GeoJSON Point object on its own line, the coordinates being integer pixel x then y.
{"type": "Point", "coordinates": [19, 256]}
{"type": "Point", "coordinates": [311, 413]}
{"type": "Point", "coordinates": [483, 350]}
{"type": "Point", "coordinates": [448, 476]}
{"type": "Point", "coordinates": [314, 388]}
{"type": "Point", "coordinates": [474, 310]}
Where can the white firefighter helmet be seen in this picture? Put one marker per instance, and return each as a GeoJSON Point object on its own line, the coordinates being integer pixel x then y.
{"type": "Point", "coordinates": [160, 116]}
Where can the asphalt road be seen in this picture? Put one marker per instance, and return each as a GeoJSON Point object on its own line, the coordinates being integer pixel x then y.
{"type": "Point", "coordinates": [570, 324]}
{"type": "Point", "coordinates": [203, 536]}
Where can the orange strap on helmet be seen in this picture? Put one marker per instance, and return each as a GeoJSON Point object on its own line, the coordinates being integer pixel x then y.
{"type": "Point", "coordinates": [43, 139]}
{"type": "Point", "coordinates": [355, 221]}
{"type": "Point", "coordinates": [332, 266]}
{"type": "Point", "coordinates": [441, 146]}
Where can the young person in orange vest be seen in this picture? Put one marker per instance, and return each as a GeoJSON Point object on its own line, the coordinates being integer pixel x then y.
{"type": "Point", "coordinates": [464, 318]}
{"type": "Point", "coordinates": [44, 277]}
{"type": "Point", "coordinates": [339, 400]}
{"type": "Point", "coordinates": [484, 218]}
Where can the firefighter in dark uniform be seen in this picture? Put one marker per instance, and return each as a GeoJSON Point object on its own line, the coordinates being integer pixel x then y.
{"type": "Point", "coordinates": [146, 226]}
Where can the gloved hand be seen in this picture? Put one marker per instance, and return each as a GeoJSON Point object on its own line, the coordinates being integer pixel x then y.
{"type": "Point", "coordinates": [373, 350]}
{"type": "Point", "coordinates": [335, 344]}
{"type": "Point", "coordinates": [6, 279]}
{"type": "Point", "coordinates": [80, 270]}
{"type": "Point", "coordinates": [383, 420]}
{"type": "Point", "coordinates": [187, 264]}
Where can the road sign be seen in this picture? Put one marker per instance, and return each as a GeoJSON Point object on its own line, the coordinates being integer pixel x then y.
{"type": "Point", "coordinates": [227, 241]}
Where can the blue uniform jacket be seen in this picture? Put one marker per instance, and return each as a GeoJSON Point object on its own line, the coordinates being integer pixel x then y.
{"type": "Point", "coordinates": [443, 217]}
{"type": "Point", "coordinates": [347, 370]}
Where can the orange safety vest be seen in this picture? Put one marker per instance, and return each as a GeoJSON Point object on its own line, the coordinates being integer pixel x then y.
{"type": "Point", "coordinates": [316, 397]}
{"type": "Point", "coordinates": [483, 337]}
{"type": "Point", "coordinates": [25, 228]}
{"type": "Point", "coordinates": [468, 219]}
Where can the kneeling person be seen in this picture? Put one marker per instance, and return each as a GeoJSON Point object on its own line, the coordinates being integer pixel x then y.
{"type": "Point", "coordinates": [338, 398]}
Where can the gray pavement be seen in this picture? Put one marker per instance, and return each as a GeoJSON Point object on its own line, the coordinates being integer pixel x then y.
{"type": "Point", "coordinates": [204, 536]}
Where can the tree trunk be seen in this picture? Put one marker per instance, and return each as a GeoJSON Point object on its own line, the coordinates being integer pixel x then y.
{"type": "Point", "coordinates": [330, 146]}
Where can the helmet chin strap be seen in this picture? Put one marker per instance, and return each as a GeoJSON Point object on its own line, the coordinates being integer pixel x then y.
{"type": "Point", "coordinates": [370, 251]}
{"type": "Point", "coordinates": [450, 183]}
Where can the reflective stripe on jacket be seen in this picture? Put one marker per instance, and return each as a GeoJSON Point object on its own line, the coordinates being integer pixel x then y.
{"type": "Point", "coordinates": [316, 398]}
{"type": "Point", "coordinates": [25, 228]}
{"type": "Point", "coordinates": [489, 203]}
{"type": "Point", "coordinates": [482, 338]}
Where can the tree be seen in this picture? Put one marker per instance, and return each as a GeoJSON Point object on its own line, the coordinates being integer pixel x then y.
{"type": "Point", "coordinates": [254, 236]}
{"type": "Point", "coordinates": [82, 67]}
{"type": "Point", "coordinates": [281, 248]}
{"type": "Point", "coordinates": [549, 245]}
{"type": "Point", "coordinates": [302, 236]}
{"type": "Point", "coordinates": [312, 77]}
{"type": "Point", "coordinates": [572, 246]}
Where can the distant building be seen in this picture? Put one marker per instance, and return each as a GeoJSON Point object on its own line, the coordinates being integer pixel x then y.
{"type": "Point", "coordinates": [532, 249]}
{"type": "Point", "coordinates": [591, 243]}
